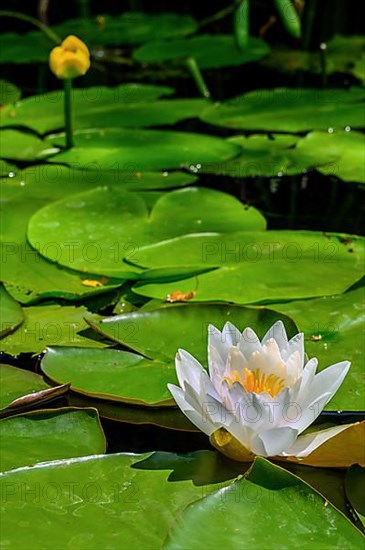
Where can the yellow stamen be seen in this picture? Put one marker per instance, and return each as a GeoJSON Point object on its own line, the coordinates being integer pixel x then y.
{"type": "Point", "coordinates": [257, 382]}
{"type": "Point", "coordinates": [233, 377]}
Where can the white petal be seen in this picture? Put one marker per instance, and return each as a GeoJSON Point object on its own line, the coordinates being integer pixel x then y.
{"type": "Point", "coordinates": [277, 440]}
{"type": "Point", "coordinates": [300, 391]}
{"type": "Point", "coordinates": [272, 409]}
{"type": "Point", "coordinates": [234, 397]}
{"type": "Point", "coordinates": [271, 351]}
{"type": "Point", "coordinates": [208, 406]}
{"type": "Point", "coordinates": [300, 418]}
{"type": "Point", "coordinates": [239, 396]}
{"type": "Point", "coordinates": [243, 434]}
{"type": "Point", "coordinates": [278, 333]}
{"type": "Point", "coordinates": [294, 368]}
{"type": "Point", "coordinates": [188, 369]}
{"type": "Point", "coordinates": [218, 341]}
{"type": "Point", "coordinates": [249, 342]}
{"type": "Point", "coordinates": [231, 335]}
{"type": "Point", "coordinates": [269, 360]}
{"type": "Point", "coordinates": [328, 380]}
{"type": "Point", "coordinates": [306, 444]}
{"type": "Point", "coordinates": [216, 364]}
{"type": "Point", "coordinates": [295, 344]}
{"type": "Point", "coordinates": [236, 361]}
{"type": "Point", "coordinates": [203, 423]}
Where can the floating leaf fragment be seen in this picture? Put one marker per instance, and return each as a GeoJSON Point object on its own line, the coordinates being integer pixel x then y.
{"type": "Point", "coordinates": [178, 296]}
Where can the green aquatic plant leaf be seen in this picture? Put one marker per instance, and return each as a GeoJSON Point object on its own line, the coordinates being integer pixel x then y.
{"type": "Point", "coordinates": [47, 325]}
{"type": "Point", "coordinates": [130, 105]}
{"type": "Point", "coordinates": [147, 150]}
{"type": "Point", "coordinates": [346, 149]}
{"type": "Point", "coordinates": [332, 327]}
{"type": "Point", "coordinates": [290, 110]}
{"type": "Point", "coordinates": [119, 500]}
{"type": "Point", "coordinates": [114, 224]}
{"type": "Point", "coordinates": [17, 383]}
{"type": "Point", "coordinates": [52, 434]}
{"type": "Point", "coordinates": [27, 276]}
{"type": "Point", "coordinates": [10, 312]}
{"type": "Point", "coordinates": [103, 30]}
{"type": "Point", "coordinates": [209, 51]}
{"type": "Point", "coordinates": [159, 333]}
{"type": "Point", "coordinates": [254, 267]}
{"type": "Point", "coordinates": [303, 518]}
{"type": "Point", "coordinates": [118, 376]}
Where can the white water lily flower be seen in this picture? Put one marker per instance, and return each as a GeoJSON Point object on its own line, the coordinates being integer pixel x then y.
{"type": "Point", "coordinates": [259, 396]}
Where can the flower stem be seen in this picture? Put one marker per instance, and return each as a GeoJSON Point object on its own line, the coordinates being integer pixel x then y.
{"type": "Point", "coordinates": [323, 63]}
{"type": "Point", "coordinates": [44, 28]}
{"type": "Point", "coordinates": [84, 9]}
{"type": "Point", "coordinates": [198, 77]}
{"type": "Point", "coordinates": [67, 86]}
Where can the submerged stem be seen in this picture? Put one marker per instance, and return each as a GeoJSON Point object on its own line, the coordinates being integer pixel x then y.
{"type": "Point", "coordinates": [41, 26]}
{"type": "Point", "coordinates": [67, 86]}
{"type": "Point", "coordinates": [198, 77]}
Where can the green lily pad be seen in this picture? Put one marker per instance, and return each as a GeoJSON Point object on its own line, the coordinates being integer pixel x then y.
{"type": "Point", "coordinates": [111, 149]}
{"type": "Point", "coordinates": [43, 112]}
{"type": "Point", "coordinates": [127, 28]}
{"type": "Point", "coordinates": [158, 334]}
{"type": "Point", "coordinates": [132, 105]}
{"type": "Point", "coordinates": [275, 156]}
{"type": "Point", "coordinates": [31, 47]}
{"type": "Point", "coordinates": [16, 383]}
{"type": "Point", "coordinates": [9, 93]}
{"type": "Point", "coordinates": [344, 54]}
{"type": "Point", "coordinates": [27, 276]}
{"type": "Point", "coordinates": [131, 27]}
{"type": "Point", "coordinates": [82, 220]}
{"type": "Point", "coordinates": [164, 417]}
{"type": "Point", "coordinates": [11, 313]}
{"type": "Point", "coordinates": [347, 146]}
{"type": "Point", "coordinates": [210, 51]}
{"type": "Point", "coordinates": [110, 374]}
{"type": "Point", "coordinates": [333, 327]}
{"type": "Point", "coordinates": [254, 267]}
{"type": "Point", "coordinates": [355, 488]}
{"type": "Point", "coordinates": [359, 68]}
{"type": "Point", "coordinates": [101, 501]}
{"type": "Point", "coordinates": [51, 182]}
{"type": "Point", "coordinates": [49, 435]}
{"type": "Point", "coordinates": [289, 110]}
{"type": "Point", "coordinates": [47, 325]}
{"type": "Point", "coordinates": [6, 168]}
{"type": "Point", "coordinates": [306, 519]}
{"type": "Point", "coordinates": [16, 145]}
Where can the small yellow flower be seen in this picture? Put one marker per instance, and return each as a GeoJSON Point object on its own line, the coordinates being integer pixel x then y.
{"type": "Point", "coordinates": [70, 59]}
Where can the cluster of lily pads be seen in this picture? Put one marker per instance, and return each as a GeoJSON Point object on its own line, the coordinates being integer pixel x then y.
{"type": "Point", "coordinates": [113, 257]}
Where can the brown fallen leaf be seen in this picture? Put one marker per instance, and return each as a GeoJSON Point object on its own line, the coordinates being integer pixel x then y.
{"type": "Point", "coordinates": [30, 398]}
{"type": "Point", "coordinates": [91, 283]}
{"type": "Point", "coordinates": [178, 296]}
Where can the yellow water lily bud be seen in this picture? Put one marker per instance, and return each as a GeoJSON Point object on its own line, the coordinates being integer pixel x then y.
{"type": "Point", "coordinates": [70, 59]}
